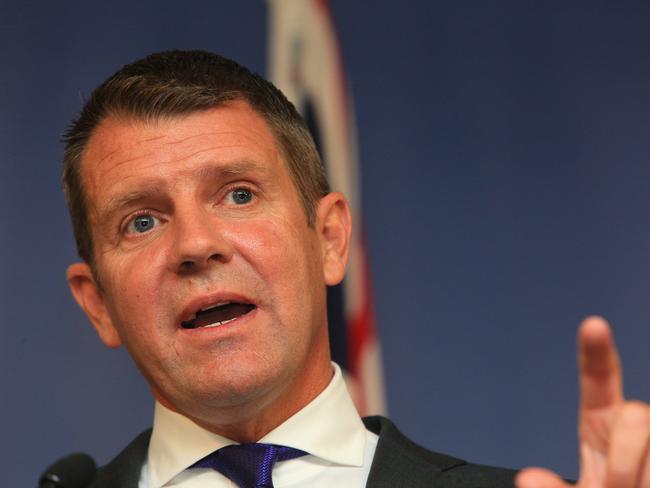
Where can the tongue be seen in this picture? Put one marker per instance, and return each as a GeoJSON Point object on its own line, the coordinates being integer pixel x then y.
{"type": "Point", "coordinates": [220, 314]}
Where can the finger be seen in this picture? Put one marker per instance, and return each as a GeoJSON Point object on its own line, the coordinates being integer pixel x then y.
{"type": "Point", "coordinates": [628, 445]}
{"type": "Point", "coordinates": [600, 369]}
{"type": "Point", "coordinates": [645, 475]}
{"type": "Point", "coordinates": [539, 478]}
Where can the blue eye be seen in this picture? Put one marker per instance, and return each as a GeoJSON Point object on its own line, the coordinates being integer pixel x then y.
{"type": "Point", "coordinates": [241, 196]}
{"type": "Point", "coordinates": [142, 223]}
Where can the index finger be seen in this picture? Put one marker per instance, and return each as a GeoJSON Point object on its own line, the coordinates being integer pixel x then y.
{"type": "Point", "coordinates": [601, 383]}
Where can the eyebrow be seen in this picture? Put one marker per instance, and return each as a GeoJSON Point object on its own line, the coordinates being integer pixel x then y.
{"type": "Point", "coordinates": [237, 168]}
{"type": "Point", "coordinates": [154, 186]}
{"type": "Point", "coordinates": [116, 203]}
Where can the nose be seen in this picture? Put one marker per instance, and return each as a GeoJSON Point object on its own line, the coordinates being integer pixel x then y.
{"type": "Point", "coordinates": [199, 241]}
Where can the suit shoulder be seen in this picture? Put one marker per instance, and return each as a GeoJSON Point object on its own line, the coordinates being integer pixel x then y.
{"type": "Point", "coordinates": [400, 462]}
{"type": "Point", "coordinates": [478, 476]}
{"type": "Point", "coordinates": [123, 471]}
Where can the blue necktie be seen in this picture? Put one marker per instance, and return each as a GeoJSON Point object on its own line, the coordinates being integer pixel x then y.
{"type": "Point", "coordinates": [248, 465]}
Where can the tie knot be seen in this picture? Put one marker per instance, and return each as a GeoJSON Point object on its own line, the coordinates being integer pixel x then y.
{"type": "Point", "coordinates": [248, 465]}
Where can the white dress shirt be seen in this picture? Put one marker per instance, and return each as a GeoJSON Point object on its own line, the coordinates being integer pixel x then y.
{"type": "Point", "coordinates": [329, 429]}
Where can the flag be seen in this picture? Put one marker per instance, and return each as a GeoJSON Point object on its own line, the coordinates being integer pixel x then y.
{"type": "Point", "coordinates": [305, 63]}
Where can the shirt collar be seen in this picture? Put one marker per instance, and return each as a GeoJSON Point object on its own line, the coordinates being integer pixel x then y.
{"type": "Point", "coordinates": [329, 428]}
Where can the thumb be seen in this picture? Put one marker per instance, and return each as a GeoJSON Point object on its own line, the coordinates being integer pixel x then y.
{"type": "Point", "coordinates": [539, 478]}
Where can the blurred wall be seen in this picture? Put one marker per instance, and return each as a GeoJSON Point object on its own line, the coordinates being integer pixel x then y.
{"type": "Point", "coordinates": [505, 189]}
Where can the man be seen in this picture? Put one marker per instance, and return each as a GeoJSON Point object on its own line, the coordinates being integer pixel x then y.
{"type": "Point", "coordinates": [208, 235]}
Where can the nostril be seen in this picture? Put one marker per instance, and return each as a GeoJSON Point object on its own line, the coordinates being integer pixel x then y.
{"type": "Point", "coordinates": [187, 265]}
{"type": "Point", "coordinates": [190, 266]}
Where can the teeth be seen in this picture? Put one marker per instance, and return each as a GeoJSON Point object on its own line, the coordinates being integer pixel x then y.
{"type": "Point", "coordinates": [220, 304]}
{"type": "Point", "coordinates": [217, 324]}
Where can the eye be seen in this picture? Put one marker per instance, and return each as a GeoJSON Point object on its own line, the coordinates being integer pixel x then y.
{"type": "Point", "coordinates": [141, 224]}
{"type": "Point", "coordinates": [241, 196]}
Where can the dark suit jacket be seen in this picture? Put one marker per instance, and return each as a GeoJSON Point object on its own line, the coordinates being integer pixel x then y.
{"type": "Point", "coordinates": [398, 463]}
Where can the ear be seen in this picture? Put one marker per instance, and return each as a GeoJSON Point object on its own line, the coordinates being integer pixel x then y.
{"type": "Point", "coordinates": [334, 226]}
{"type": "Point", "coordinates": [91, 299]}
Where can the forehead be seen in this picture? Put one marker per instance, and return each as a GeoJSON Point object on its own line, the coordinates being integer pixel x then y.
{"type": "Point", "coordinates": [121, 150]}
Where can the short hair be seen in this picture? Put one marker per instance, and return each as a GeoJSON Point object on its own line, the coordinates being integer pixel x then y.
{"type": "Point", "coordinates": [177, 83]}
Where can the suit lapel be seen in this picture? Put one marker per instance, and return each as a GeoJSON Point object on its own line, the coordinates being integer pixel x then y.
{"type": "Point", "coordinates": [124, 470]}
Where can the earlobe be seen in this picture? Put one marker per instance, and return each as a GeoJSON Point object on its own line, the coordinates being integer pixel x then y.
{"type": "Point", "coordinates": [334, 224]}
{"type": "Point", "coordinates": [90, 298]}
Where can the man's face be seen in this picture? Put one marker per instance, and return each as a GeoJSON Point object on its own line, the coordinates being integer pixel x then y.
{"type": "Point", "coordinates": [210, 274]}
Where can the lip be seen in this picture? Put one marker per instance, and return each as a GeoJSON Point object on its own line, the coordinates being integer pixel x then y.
{"type": "Point", "coordinates": [202, 302]}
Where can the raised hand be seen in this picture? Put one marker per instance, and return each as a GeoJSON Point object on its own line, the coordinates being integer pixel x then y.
{"type": "Point", "coordinates": [613, 433]}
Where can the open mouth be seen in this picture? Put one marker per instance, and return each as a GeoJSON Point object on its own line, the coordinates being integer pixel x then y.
{"type": "Point", "coordinates": [216, 315]}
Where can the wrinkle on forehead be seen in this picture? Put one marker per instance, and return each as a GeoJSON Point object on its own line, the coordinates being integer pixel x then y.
{"type": "Point", "coordinates": [200, 134]}
{"type": "Point", "coordinates": [171, 132]}
{"type": "Point", "coordinates": [154, 148]}
{"type": "Point", "coordinates": [213, 166]}
{"type": "Point", "coordinates": [170, 142]}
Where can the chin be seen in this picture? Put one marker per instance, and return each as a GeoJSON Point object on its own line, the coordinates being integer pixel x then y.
{"type": "Point", "coordinates": [239, 390]}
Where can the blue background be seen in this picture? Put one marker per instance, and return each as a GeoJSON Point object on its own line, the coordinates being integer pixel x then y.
{"type": "Point", "coordinates": [506, 186]}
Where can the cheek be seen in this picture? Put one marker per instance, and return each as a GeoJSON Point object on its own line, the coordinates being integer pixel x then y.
{"type": "Point", "coordinates": [278, 250]}
{"type": "Point", "coordinates": [135, 286]}
{"type": "Point", "coordinates": [287, 261]}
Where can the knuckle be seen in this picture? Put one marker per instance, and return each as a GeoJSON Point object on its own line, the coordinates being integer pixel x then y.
{"type": "Point", "coordinates": [634, 414]}
{"type": "Point", "coordinates": [620, 478]}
